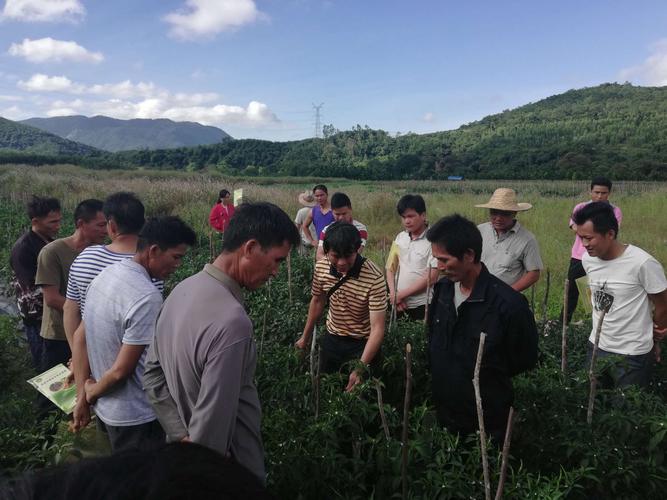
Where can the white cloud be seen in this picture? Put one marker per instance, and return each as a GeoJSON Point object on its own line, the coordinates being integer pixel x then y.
{"type": "Point", "coordinates": [653, 71]}
{"type": "Point", "coordinates": [50, 50]}
{"type": "Point", "coordinates": [429, 117]}
{"type": "Point", "coordinates": [123, 90]}
{"type": "Point", "coordinates": [10, 98]}
{"type": "Point", "coordinates": [13, 113]}
{"type": "Point", "coordinates": [206, 18]}
{"type": "Point", "coordinates": [44, 83]}
{"type": "Point", "coordinates": [43, 10]}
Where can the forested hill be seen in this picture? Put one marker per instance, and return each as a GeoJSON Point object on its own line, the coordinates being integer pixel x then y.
{"type": "Point", "coordinates": [18, 139]}
{"type": "Point", "coordinates": [111, 134]}
{"type": "Point", "coordinates": [616, 130]}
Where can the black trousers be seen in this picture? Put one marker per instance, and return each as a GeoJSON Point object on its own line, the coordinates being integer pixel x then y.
{"type": "Point", "coordinates": [575, 272]}
{"type": "Point", "coordinates": [415, 314]}
{"type": "Point", "coordinates": [338, 350]}
{"type": "Point", "coordinates": [145, 437]}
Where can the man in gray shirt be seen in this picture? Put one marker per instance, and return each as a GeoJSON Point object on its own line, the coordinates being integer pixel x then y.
{"type": "Point", "coordinates": [201, 365]}
{"type": "Point", "coordinates": [122, 304]}
{"type": "Point", "coordinates": [509, 250]}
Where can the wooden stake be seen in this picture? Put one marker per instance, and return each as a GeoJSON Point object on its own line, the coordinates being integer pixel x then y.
{"type": "Point", "coordinates": [532, 299]}
{"type": "Point", "coordinates": [393, 314]}
{"type": "Point", "coordinates": [289, 276]}
{"type": "Point", "coordinates": [317, 386]}
{"type": "Point", "coordinates": [313, 342]}
{"type": "Point", "coordinates": [591, 369]}
{"type": "Point", "coordinates": [428, 293]}
{"type": "Point", "coordinates": [383, 417]}
{"type": "Point", "coordinates": [546, 300]}
{"type": "Point", "coordinates": [480, 418]}
{"type": "Point", "coordinates": [563, 346]}
{"type": "Point", "coordinates": [211, 247]}
{"type": "Point", "coordinates": [505, 455]}
{"type": "Point", "coordinates": [406, 419]}
{"type": "Point", "coordinates": [266, 310]}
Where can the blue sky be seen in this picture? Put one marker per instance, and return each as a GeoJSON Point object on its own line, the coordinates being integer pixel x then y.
{"type": "Point", "coordinates": [256, 67]}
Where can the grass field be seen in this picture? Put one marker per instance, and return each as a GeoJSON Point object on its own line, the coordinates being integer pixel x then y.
{"type": "Point", "coordinates": [192, 195]}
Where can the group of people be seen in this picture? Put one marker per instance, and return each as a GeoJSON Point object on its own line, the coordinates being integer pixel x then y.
{"type": "Point", "coordinates": [183, 370]}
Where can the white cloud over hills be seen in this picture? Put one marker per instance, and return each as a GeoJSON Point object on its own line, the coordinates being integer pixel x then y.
{"type": "Point", "coordinates": [126, 100]}
{"type": "Point", "coordinates": [51, 50]}
{"type": "Point", "coordinates": [653, 71]}
{"type": "Point", "coordinates": [207, 18]}
{"type": "Point", "coordinates": [43, 10]}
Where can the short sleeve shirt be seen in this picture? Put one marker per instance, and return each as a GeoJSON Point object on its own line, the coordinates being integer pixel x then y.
{"type": "Point", "coordinates": [626, 282]}
{"type": "Point", "coordinates": [510, 255]}
{"type": "Point", "coordinates": [122, 307]}
{"type": "Point", "coordinates": [415, 260]}
{"type": "Point", "coordinates": [300, 218]}
{"type": "Point", "coordinates": [53, 264]}
{"type": "Point", "coordinates": [350, 306]}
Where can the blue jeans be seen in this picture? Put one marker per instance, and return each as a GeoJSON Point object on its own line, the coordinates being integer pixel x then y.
{"type": "Point", "coordinates": [35, 343]}
{"type": "Point", "coordinates": [622, 370]}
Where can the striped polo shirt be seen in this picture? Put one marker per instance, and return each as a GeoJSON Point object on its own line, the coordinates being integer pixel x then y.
{"type": "Point", "coordinates": [87, 265]}
{"type": "Point", "coordinates": [350, 306]}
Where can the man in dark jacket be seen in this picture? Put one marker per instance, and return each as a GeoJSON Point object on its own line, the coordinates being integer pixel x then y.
{"type": "Point", "coordinates": [468, 301]}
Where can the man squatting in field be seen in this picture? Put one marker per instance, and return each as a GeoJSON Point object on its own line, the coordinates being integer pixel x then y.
{"type": "Point", "coordinates": [356, 291]}
{"type": "Point", "coordinates": [467, 301]}
{"type": "Point", "coordinates": [121, 308]}
{"type": "Point", "coordinates": [415, 261]}
{"type": "Point", "coordinates": [632, 280]}
{"type": "Point", "coordinates": [45, 218]}
{"type": "Point", "coordinates": [600, 191]}
{"type": "Point", "coordinates": [201, 365]}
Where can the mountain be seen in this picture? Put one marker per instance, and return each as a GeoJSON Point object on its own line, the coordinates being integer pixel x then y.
{"type": "Point", "coordinates": [611, 129]}
{"type": "Point", "coordinates": [111, 134]}
{"type": "Point", "coordinates": [16, 137]}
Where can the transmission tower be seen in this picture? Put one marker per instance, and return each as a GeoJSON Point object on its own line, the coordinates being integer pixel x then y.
{"type": "Point", "coordinates": [318, 124]}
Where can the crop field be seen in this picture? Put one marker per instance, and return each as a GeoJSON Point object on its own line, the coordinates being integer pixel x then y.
{"type": "Point", "coordinates": [323, 443]}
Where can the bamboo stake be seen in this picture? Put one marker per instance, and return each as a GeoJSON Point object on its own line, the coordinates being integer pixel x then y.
{"type": "Point", "coordinates": [211, 247]}
{"type": "Point", "coordinates": [591, 369]}
{"type": "Point", "coordinates": [289, 276]}
{"type": "Point", "coordinates": [546, 300]}
{"type": "Point", "coordinates": [313, 342]}
{"type": "Point", "coordinates": [505, 455]}
{"type": "Point", "coordinates": [383, 417]}
{"type": "Point", "coordinates": [406, 419]}
{"type": "Point", "coordinates": [532, 299]}
{"type": "Point", "coordinates": [563, 346]}
{"type": "Point", "coordinates": [392, 315]}
{"type": "Point", "coordinates": [428, 293]}
{"type": "Point", "coordinates": [266, 310]}
{"type": "Point", "coordinates": [317, 387]}
{"type": "Point", "coordinates": [480, 418]}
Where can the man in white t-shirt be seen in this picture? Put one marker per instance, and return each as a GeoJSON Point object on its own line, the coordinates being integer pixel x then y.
{"type": "Point", "coordinates": [341, 207]}
{"type": "Point", "coordinates": [412, 252]}
{"type": "Point", "coordinates": [308, 201]}
{"type": "Point", "coordinates": [122, 305]}
{"type": "Point", "coordinates": [631, 280]}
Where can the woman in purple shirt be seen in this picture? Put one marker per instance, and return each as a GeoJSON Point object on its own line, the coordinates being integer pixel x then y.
{"type": "Point", "coordinates": [321, 215]}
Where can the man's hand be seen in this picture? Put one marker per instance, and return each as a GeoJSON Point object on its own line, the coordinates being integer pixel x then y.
{"type": "Point", "coordinates": [80, 416]}
{"type": "Point", "coordinates": [89, 388]}
{"type": "Point", "coordinates": [658, 333]}
{"type": "Point", "coordinates": [353, 381]}
{"type": "Point", "coordinates": [657, 351]}
{"type": "Point", "coordinates": [70, 378]}
{"type": "Point", "coordinates": [302, 343]}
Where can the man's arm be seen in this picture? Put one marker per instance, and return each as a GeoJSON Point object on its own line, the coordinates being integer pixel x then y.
{"type": "Point", "coordinates": [419, 285]}
{"type": "Point", "coordinates": [71, 320]}
{"type": "Point", "coordinates": [305, 226]}
{"type": "Point", "coordinates": [319, 255]}
{"type": "Point", "coordinates": [166, 409]}
{"type": "Point", "coordinates": [659, 300]}
{"type": "Point", "coordinates": [372, 346]}
{"type": "Point", "coordinates": [315, 310]}
{"type": "Point", "coordinates": [124, 365]}
{"type": "Point", "coordinates": [81, 369]}
{"type": "Point", "coordinates": [526, 281]}
{"type": "Point", "coordinates": [52, 297]}
{"type": "Point", "coordinates": [521, 338]}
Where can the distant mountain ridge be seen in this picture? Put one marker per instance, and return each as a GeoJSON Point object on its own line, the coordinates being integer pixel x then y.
{"type": "Point", "coordinates": [15, 136]}
{"type": "Point", "coordinates": [111, 134]}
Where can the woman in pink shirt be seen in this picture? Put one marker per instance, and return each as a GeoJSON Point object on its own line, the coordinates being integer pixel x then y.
{"type": "Point", "coordinates": [221, 212]}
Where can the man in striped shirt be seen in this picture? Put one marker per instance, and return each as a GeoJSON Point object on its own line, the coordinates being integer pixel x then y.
{"type": "Point", "coordinates": [341, 207]}
{"type": "Point", "coordinates": [125, 218]}
{"type": "Point", "coordinates": [357, 294]}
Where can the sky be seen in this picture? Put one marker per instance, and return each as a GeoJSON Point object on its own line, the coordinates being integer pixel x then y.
{"type": "Point", "coordinates": [258, 68]}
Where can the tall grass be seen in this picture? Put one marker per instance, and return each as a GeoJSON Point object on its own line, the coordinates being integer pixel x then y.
{"type": "Point", "coordinates": [191, 195]}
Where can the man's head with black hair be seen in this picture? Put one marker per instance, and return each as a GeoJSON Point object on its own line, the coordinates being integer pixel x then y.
{"type": "Point", "coordinates": [341, 207]}
{"type": "Point", "coordinates": [45, 216]}
{"type": "Point", "coordinates": [412, 209]}
{"type": "Point", "coordinates": [598, 229]}
{"type": "Point", "coordinates": [125, 211]}
{"type": "Point", "coordinates": [90, 221]}
{"type": "Point", "coordinates": [600, 189]}
{"type": "Point", "coordinates": [162, 244]}
{"type": "Point", "coordinates": [341, 245]}
{"type": "Point", "coordinates": [457, 246]}
{"type": "Point", "coordinates": [257, 240]}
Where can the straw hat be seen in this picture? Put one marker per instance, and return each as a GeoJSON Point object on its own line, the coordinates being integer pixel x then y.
{"type": "Point", "coordinates": [505, 199]}
{"type": "Point", "coordinates": [307, 199]}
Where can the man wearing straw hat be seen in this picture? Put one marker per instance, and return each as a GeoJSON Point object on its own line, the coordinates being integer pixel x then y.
{"type": "Point", "coordinates": [509, 250]}
{"type": "Point", "coordinates": [307, 200]}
